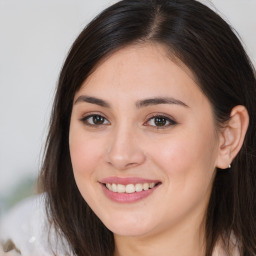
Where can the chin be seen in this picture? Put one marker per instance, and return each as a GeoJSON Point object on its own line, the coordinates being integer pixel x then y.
{"type": "Point", "coordinates": [128, 228]}
{"type": "Point", "coordinates": [131, 232]}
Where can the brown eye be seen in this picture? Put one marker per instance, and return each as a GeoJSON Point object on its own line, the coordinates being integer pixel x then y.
{"type": "Point", "coordinates": [160, 121]}
{"type": "Point", "coordinates": [98, 119]}
{"type": "Point", "coordinates": [95, 120]}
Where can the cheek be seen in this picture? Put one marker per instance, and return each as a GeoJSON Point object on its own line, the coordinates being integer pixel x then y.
{"type": "Point", "coordinates": [186, 157]}
{"type": "Point", "coordinates": [85, 155]}
{"type": "Point", "coordinates": [176, 155]}
{"type": "Point", "coordinates": [84, 152]}
{"type": "Point", "coordinates": [187, 165]}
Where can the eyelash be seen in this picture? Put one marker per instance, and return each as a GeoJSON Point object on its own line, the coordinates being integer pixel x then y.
{"type": "Point", "coordinates": [86, 119]}
{"type": "Point", "coordinates": [167, 121]}
{"type": "Point", "coordinates": [164, 118]}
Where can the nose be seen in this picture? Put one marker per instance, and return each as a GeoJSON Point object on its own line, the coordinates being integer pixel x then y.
{"type": "Point", "coordinates": [124, 150]}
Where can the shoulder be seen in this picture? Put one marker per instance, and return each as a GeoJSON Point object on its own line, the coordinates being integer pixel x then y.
{"type": "Point", "coordinates": [26, 230]}
{"type": "Point", "coordinates": [25, 226]}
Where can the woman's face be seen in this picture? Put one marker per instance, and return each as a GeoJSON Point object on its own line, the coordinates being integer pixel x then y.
{"type": "Point", "coordinates": [143, 143]}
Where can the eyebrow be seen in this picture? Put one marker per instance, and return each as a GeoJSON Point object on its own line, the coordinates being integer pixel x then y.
{"type": "Point", "coordinates": [92, 100]}
{"type": "Point", "coordinates": [139, 104]}
{"type": "Point", "coordinates": [161, 100]}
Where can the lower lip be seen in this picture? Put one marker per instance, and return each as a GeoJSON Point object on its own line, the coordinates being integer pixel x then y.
{"type": "Point", "coordinates": [127, 197]}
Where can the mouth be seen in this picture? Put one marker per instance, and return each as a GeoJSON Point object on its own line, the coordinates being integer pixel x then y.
{"type": "Point", "coordinates": [128, 189]}
{"type": "Point", "coordinates": [131, 188]}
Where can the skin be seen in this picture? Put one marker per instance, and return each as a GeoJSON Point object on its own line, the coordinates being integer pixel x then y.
{"type": "Point", "coordinates": [182, 154]}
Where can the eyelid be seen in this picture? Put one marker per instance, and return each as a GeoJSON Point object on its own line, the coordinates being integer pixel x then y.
{"type": "Point", "coordinates": [93, 113]}
{"type": "Point", "coordinates": [86, 116]}
{"type": "Point", "coordinates": [169, 118]}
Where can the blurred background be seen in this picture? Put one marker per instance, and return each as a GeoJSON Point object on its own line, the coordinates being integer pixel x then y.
{"type": "Point", "coordinates": [35, 37]}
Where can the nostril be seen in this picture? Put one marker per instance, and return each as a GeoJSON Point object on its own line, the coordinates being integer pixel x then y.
{"type": "Point", "coordinates": [122, 165]}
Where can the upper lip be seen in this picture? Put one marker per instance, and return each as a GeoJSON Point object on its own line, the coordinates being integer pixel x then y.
{"type": "Point", "coordinates": [127, 180]}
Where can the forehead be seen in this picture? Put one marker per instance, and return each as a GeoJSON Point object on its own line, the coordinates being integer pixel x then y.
{"type": "Point", "coordinates": [142, 68]}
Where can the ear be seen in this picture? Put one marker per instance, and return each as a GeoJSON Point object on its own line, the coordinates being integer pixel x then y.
{"type": "Point", "coordinates": [232, 136]}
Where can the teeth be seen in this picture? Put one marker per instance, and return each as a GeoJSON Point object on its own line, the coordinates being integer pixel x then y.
{"type": "Point", "coordinates": [109, 186]}
{"type": "Point", "coordinates": [145, 186]}
{"type": "Point", "coordinates": [130, 188]}
{"type": "Point", "coordinates": [151, 185]}
{"type": "Point", "coordinates": [114, 187]}
{"type": "Point", "coordinates": [120, 188]}
{"type": "Point", "coordinates": [138, 187]}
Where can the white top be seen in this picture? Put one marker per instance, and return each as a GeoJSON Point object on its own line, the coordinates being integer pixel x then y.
{"type": "Point", "coordinates": [27, 226]}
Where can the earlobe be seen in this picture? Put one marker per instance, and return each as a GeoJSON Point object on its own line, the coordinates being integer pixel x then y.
{"type": "Point", "coordinates": [232, 136]}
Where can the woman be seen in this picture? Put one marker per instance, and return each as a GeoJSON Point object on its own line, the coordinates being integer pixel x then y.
{"type": "Point", "coordinates": [151, 148]}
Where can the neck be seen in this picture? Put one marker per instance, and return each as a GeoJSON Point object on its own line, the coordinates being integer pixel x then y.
{"type": "Point", "coordinates": [185, 240]}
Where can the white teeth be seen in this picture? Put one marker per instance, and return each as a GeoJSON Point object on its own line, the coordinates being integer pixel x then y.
{"type": "Point", "coordinates": [109, 186]}
{"type": "Point", "coordinates": [145, 186]}
{"type": "Point", "coordinates": [120, 188]}
{"type": "Point", "coordinates": [138, 187]}
{"type": "Point", "coordinates": [114, 187]}
{"type": "Point", "coordinates": [151, 185]}
{"type": "Point", "coordinates": [130, 188]}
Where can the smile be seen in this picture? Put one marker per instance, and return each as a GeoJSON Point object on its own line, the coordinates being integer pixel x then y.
{"type": "Point", "coordinates": [130, 188]}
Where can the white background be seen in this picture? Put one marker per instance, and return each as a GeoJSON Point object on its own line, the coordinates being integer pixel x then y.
{"type": "Point", "coordinates": [35, 37]}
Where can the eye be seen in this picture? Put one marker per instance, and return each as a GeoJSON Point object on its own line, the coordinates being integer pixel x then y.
{"type": "Point", "coordinates": [95, 120]}
{"type": "Point", "coordinates": [160, 121]}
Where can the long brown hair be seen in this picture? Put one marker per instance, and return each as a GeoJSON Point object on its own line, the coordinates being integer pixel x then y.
{"type": "Point", "coordinates": [209, 47]}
